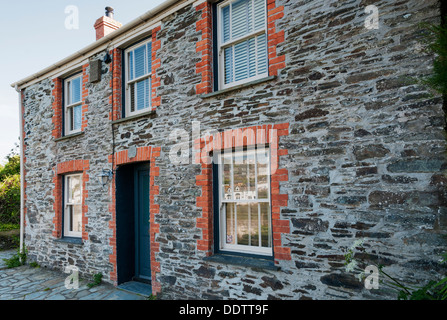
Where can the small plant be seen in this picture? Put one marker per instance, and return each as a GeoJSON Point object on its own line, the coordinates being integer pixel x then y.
{"type": "Point", "coordinates": [34, 265]}
{"type": "Point", "coordinates": [433, 290]}
{"type": "Point", "coordinates": [97, 279]}
{"type": "Point", "coordinates": [16, 260]}
{"type": "Point", "coordinates": [152, 297]}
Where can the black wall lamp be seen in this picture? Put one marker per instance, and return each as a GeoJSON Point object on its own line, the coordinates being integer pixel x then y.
{"type": "Point", "coordinates": [106, 176]}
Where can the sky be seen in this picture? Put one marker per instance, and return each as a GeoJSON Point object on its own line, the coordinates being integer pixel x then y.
{"type": "Point", "coordinates": [34, 35]}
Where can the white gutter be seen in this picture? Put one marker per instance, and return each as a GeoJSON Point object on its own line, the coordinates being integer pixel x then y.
{"type": "Point", "coordinates": [22, 177]}
{"type": "Point", "coordinates": [84, 52]}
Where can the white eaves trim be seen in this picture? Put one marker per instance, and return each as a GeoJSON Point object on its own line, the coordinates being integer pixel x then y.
{"type": "Point", "coordinates": [118, 38]}
{"type": "Point", "coordinates": [198, 2]}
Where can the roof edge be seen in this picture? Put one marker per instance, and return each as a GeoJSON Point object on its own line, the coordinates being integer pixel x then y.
{"type": "Point", "coordinates": [127, 27]}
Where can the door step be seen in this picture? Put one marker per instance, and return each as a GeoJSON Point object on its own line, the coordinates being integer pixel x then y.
{"type": "Point", "coordinates": [140, 288]}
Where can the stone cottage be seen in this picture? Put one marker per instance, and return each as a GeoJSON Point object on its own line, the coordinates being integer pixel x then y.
{"type": "Point", "coordinates": [236, 149]}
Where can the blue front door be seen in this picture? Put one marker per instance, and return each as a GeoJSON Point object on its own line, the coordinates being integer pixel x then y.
{"type": "Point", "coordinates": [142, 224]}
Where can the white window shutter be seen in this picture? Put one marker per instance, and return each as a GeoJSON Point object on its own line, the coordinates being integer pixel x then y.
{"type": "Point", "coordinates": [75, 90]}
{"type": "Point", "coordinates": [140, 61]}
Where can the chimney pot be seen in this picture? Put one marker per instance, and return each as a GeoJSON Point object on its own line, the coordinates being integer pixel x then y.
{"type": "Point", "coordinates": [109, 12]}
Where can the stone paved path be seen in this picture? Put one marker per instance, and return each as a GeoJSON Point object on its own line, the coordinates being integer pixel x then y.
{"type": "Point", "coordinates": [27, 283]}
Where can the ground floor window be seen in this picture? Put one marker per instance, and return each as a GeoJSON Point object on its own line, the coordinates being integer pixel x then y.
{"type": "Point", "coordinates": [244, 201]}
{"type": "Point", "coordinates": [73, 205]}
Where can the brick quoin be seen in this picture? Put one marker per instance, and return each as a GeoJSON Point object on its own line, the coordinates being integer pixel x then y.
{"type": "Point", "coordinates": [274, 37]}
{"type": "Point", "coordinates": [84, 107]}
{"type": "Point", "coordinates": [205, 47]}
{"type": "Point", "coordinates": [156, 62]}
{"type": "Point", "coordinates": [143, 154]}
{"type": "Point", "coordinates": [57, 108]}
{"type": "Point", "coordinates": [68, 167]}
{"type": "Point", "coordinates": [115, 85]}
{"type": "Point", "coordinates": [244, 137]}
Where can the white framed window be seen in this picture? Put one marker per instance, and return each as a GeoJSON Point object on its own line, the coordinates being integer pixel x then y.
{"type": "Point", "coordinates": [242, 41]}
{"type": "Point", "coordinates": [138, 78]}
{"type": "Point", "coordinates": [245, 224]}
{"type": "Point", "coordinates": [73, 104]}
{"type": "Point", "coordinates": [73, 205]}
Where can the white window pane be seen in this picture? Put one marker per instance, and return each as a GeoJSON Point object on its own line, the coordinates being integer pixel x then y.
{"type": "Point", "coordinates": [260, 14]}
{"type": "Point", "coordinates": [70, 119]}
{"type": "Point", "coordinates": [75, 218]}
{"type": "Point", "coordinates": [241, 18]}
{"type": "Point", "coordinates": [140, 61]}
{"type": "Point", "coordinates": [228, 65]}
{"type": "Point", "coordinates": [132, 97]}
{"type": "Point", "coordinates": [148, 89]}
{"type": "Point", "coordinates": [251, 43]}
{"type": "Point", "coordinates": [142, 94]}
{"type": "Point", "coordinates": [77, 117]}
{"type": "Point", "coordinates": [251, 171]}
{"type": "Point", "coordinates": [74, 189]}
{"type": "Point", "coordinates": [75, 90]}
{"type": "Point", "coordinates": [266, 240]}
{"type": "Point", "coordinates": [242, 224]}
{"type": "Point", "coordinates": [241, 61]}
{"type": "Point", "coordinates": [262, 173]}
{"type": "Point", "coordinates": [131, 66]}
{"type": "Point", "coordinates": [230, 223]}
{"type": "Point", "coordinates": [226, 182]}
{"type": "Point", "coordinates": [254, 224]}
{"type": "Point", "coordinates": [240, 179]}
{"type": "Point", "coordinates": [226, 23]}
{"type": "Point", "coordinates": [149, 58]}
{"type": "Point", "coordinates": [262, 54]}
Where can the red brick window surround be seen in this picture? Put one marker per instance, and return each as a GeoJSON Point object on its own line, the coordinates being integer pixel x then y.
{"type": "Point", "coordinates": [118, 65]}
{"type": "Point", "coordinates": [59, 100]}
{"type": "Point", "coordinates": [62, 169]}
{"type": "Point", "coordinates": [143, 154]}
{"type": "Point", "coordinates": [207, 44]}
{"type": "Point", "coordinates": [239, 138]}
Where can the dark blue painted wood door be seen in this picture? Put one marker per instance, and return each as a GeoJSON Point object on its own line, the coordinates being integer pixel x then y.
{"type": "Point", "coordinates": [142, 224]}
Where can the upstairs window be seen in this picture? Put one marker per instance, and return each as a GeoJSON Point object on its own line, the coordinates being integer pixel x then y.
{"type": "Point", "coordinates": [73, 205]}
{"type": "Point", "coordinates": [138, 78]}
{"type": "Point", "coordinates": [242, 41]}
{"type": "Point", "coordinates": [73, 104]}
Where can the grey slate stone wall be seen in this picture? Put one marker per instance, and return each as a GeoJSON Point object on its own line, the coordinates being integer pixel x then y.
{"type": "Point", "coordinates": [366, 156]}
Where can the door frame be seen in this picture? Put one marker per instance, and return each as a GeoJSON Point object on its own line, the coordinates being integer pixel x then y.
{"type": "Point", "coordinates": [126, 189]}
{"type": "Point", "coordinates": [140, 167]}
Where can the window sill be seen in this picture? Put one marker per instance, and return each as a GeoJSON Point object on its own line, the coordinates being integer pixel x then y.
{"type": "Point", "coordinates": [68, 136]}
{"type": "Point", "coordinates": [241, 86]}
{"type": "Point", "coordinates": [244, 261]}
{"type": "Point", "coordinates": [70, 240]}
{"type": "Point", "coordinates": [150, 114]}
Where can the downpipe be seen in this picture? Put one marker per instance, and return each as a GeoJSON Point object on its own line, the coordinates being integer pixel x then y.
{"type": "Point", "coordinates": [22, 178]}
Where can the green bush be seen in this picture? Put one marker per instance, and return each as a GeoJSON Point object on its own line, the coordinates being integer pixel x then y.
{"type": "Point", "coordinates": [10, 200]}
{"type": "Point", "coordinates": [12, 167]}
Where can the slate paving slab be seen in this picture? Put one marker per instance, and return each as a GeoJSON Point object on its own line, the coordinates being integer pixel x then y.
{"type": "Point", "coordinates": [28, 283]}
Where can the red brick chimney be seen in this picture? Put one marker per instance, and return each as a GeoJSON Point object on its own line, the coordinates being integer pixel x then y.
{"type": "Point", "coordinates": [106, 24]}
